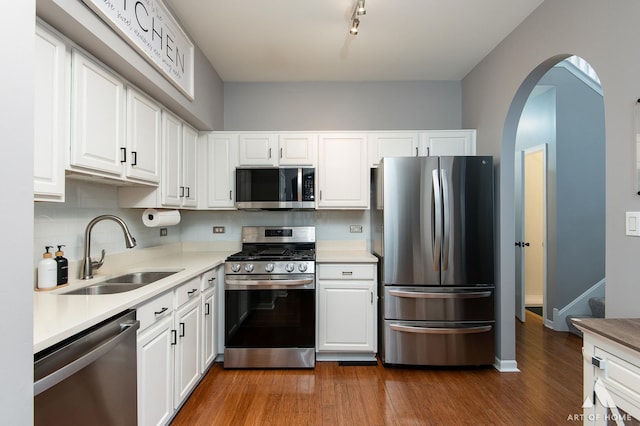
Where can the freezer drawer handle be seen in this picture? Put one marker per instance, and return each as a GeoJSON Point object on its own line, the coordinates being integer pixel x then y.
{"type": "Point", "coordinates": [127, 327]}
{"type": "Point", "coordinates": [439, 330]}
{"type": "Point", "coordinates": [418, 295]}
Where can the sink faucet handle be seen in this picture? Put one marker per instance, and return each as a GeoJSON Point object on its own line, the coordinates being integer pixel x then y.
{"type": "Point", "coordinates": [98, 264]}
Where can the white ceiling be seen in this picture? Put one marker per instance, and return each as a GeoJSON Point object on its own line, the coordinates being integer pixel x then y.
{"type": "Point", "coordinates": [308, 40]}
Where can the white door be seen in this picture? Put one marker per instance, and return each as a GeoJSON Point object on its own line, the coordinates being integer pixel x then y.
{"type": "Point", "coordinates": [188, 350]}
{"type": "Point", "coordinates": [222, 159]}
{"type": "Point", "coordinates": [258, 150]}
{"type": "Point", "coordinates": [533, 244]}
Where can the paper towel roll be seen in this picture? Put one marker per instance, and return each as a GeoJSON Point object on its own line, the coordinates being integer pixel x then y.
{"type": "Point", "coordinates": [153, 218]}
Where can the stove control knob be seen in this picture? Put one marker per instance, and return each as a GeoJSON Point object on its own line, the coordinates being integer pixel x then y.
{"type": "Point", "coordinates": [235, 267]}
{"type": "Point", "coordinates": [248, 267]}
{"type": "Point", "coordinates": [302, 267]}
{"type": "Point", "coordinates": [289, 267]}
{"type": "Point", "coordinates": [269, 267]}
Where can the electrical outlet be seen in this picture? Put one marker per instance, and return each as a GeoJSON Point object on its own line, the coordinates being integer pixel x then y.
{"type": "Point", "coordinates": [355, 229]}
{"type": "Point", "coordinates": [218, 229]}
{"type": "Point", "coordinates": [163, 232]}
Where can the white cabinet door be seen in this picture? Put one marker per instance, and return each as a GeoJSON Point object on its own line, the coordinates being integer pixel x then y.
{"type": "Point", "coordinates": [171, 159]}
{"type": "Point", "coordinates": [258, 150]}
{"type": "Point", "coordinates": [392, 144]}
{"type": "Point", "coordinates": [187, 356]}
{"type": "Point", "coordinates": [189, 166]}
{"type": "Point", "coordinates": [346, 316]}
{"type": "Point", "coordinates": [155, 373]}
{"type": "Point", "coordinates": [297, 149]}
{"type": "Point", "coordinates": [222, 159]}
{"type": "Point", "coordinates": [97, 117]}
{"type": "Point", "coordinates": [51, 116]}
{"type": "Point", "coordinates": [343, 171]}
{"type": "Point", "coordinates": [144, 124]}
{"type": "Point", "coordinates": [209, 351]}
{"type": "Point", "coordinates": [449, 142]}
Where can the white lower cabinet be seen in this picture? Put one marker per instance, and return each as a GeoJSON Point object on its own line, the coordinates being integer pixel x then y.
{"type": "Point", "coordinates": [209, 335]}
{"type": "Point", "coordinates": [347, 310]}
{"type": "Point", "coordinates": [187, 358]}
{"type": "Point", "coordinates": [176, 328]}
{"type": "Point", "coordinates": [611, 379]}
{"type": "Point", "coordinates": [155, 373]}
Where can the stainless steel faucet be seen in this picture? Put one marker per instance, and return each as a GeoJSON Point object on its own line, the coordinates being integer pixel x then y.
{"type": "Point", "coordinates": [89, 265]}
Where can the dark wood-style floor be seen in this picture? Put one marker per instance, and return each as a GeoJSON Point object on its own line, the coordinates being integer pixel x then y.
{"type": "Point", "coordinates": [546, 391]}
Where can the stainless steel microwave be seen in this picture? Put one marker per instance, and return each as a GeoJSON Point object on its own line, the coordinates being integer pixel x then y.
{"type": "Point", "coordinates": [275, 188]}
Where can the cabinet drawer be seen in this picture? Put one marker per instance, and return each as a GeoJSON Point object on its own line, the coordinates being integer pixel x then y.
{"type": "Point", "coordinates": [209, 279]}
{"type": "Point", "coordinates": [622, 381]}
{"type": "Point", "coordinates": [155, 309]}
{"type": "Point", "coordinates": [187, 291]}
{"type": "Point", "coordinates": [346, 271]}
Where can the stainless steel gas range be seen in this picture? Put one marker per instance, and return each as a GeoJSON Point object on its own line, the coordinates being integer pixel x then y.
{"type": "Point", "coordinates": [270, 305]}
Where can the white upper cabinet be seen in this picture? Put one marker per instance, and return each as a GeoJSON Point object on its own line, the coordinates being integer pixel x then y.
{"type": "Point", "coordinates": [144, 123]}
{"type": "Point", "coordinates": [392, 144]}
{"type": "Point", "coordinates": [172, 160]}
{"type": "Point", "coordinates": [179, 171]}
{"type": "Point", "coordinates": [297, 149]}
{"type": "Point", "coordinates": [97, 118]}
{"type": "Point", "coordinates": [258, 149]}
{"type": "Point", "coordinates": [449, 142]}
{"type": "Point", "coordinates": [343, 176]}
{"type": "Point", "coordinates": [272, 149]}
{"type": "Point", "coordinates": [218, 175]}
{"type": "Point", "coordinates": [189, 166]}
{"type": "Point", "coordinates": [51, 116]}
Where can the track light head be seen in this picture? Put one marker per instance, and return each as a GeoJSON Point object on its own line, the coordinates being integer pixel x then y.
{"type": "Point", "coordinates": [354, 26]}
{"type": "Point", "coordinates": [360, 10]}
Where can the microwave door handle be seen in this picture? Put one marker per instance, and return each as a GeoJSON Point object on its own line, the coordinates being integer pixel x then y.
{"type": "Point", "coordinates": [299, 183]}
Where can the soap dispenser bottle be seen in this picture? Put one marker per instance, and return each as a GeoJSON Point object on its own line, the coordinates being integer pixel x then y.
{"type": "Point", "coordinates": [47, 270]}
{"type": "Point", "coordinates": [62, 266]}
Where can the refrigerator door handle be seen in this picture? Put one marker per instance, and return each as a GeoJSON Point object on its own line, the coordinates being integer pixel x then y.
{"type": "Point", "coordinates": [437, 222]}
{"type": "Point", "coordinates": [446, 219]}
{"type": "Point", "coordinates": [439, 330]}
{"type": "Point", "coordinates": [436, 295]}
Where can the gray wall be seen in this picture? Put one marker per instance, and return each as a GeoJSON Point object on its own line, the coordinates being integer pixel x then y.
{"type": "Point", "coordinates": [342, 106]}
{"type": "Point", "coordinates": [575, 136]}
{"type": "Point", "coordinates": [494, 93]}
{"type": "Point", "coordinates": [580, 188]}
{"type": "Point", "coordinates": [75, 20]}
{"type": "Point", "coordinates": [16, 172]}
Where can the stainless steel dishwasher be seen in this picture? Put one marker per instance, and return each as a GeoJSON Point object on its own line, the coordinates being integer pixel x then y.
{"type": "Point", "coordinates": [89, 378]}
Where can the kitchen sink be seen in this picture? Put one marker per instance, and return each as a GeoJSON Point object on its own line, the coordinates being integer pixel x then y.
{"type": "Point", "coordinates": [123, 283]}
{"type": "Point", "coordinates": [145, 277]}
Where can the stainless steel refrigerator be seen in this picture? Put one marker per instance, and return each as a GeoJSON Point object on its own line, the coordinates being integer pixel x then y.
{"type": "Point", "coordinates": [433, 232]}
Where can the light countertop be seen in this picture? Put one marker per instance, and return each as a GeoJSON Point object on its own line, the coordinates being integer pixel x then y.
{"type": "Point", "coordinates": [58, 316]}
{"type": "Point", "coordinates": [343, 252]}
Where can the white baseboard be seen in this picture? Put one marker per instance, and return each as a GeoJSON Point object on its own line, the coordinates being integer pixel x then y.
{"type": "Point", "coordinates": [506, 366]}
{"type": "Point", "coordinates": [579, 306]}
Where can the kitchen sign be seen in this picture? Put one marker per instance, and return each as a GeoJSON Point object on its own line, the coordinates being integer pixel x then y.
{"type": "Point", "coordinates": [149, 27]}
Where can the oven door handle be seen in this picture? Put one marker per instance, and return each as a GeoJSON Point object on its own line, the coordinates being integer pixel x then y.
{"type": "Point", "coordinates": [231, 284]}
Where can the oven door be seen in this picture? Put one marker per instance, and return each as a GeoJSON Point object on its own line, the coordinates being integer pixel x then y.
{"type": "Point", "coordinates": [270, 323]}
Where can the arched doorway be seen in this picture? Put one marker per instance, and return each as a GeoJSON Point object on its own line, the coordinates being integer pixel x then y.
{"type": "Point", "coordinates": [562, 117]}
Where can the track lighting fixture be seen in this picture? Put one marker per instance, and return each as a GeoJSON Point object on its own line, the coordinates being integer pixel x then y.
{"type": "Point", "coordinates": [358, 11]}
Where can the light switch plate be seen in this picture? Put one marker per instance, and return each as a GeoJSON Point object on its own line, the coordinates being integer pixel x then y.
{"type": "Point", "coordinates": [355, 229]}
{"type": "Point", "coordinates": [632, 224]}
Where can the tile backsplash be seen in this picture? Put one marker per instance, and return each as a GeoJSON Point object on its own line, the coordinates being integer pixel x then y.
{"type": "Point", "coordinates": [65, 223]}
